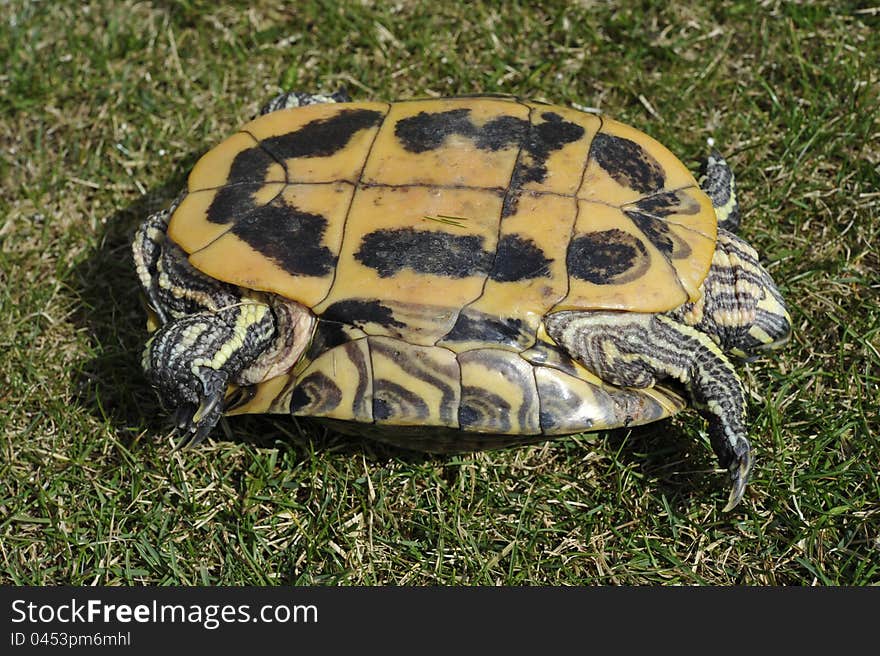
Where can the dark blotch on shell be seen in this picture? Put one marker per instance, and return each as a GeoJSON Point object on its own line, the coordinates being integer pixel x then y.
{"type": "Point", "coordinates": [627, 163]}
{"type": "Point", "coordinates": [542, 140]}
{"type": "Point", "coordinates": [428, 130]}
{"type": "Point", "coordinates": [288, 236]}
{"type": "Point", "coordinates": [483, 409]}
{"type": "Point", "coordinates": [359, 311]}
{"type": "Point", "coordinates": [315, 394]}
{"type": "Point", "coordinates": [425, 251]}
{"type": "Point", "coordinates": [473, 326]}
{"type": "Point", "coordinates": [393, 400]}
{"type": "Point", "coordinates": [323, 137]}
{"type": "Point", "coordinates": [519, 258]}
{"type": "Point", "coordinates": [607, 257]}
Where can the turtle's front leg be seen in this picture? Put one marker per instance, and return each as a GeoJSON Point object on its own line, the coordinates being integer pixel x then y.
{"type": "Point", "coordinates": [207, 333]}
{"type": "Point", "coordinates": [191, 359]}
{"type": "Point", "coordinates": [636, 350]}
{"type": "Point", "coordinates": [292, 99]}
{"type": "Point", "coordinates": [147, 251]}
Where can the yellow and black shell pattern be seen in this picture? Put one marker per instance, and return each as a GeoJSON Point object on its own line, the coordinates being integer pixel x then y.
{"type": "Point", "coordinates": [431, 237]}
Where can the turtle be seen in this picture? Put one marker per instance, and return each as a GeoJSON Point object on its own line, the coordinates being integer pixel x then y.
{"type": "Point", "coordinates": [452, 274]}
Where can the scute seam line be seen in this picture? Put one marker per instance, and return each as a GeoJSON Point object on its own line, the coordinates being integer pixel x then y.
{"type": "Point", "coordinates": [358, 184]}
{"type": "Point", "coordinates": [231, 227]}
{"type": "Point", "coordinates": [506, 191]}
{"type": "Point", "coordinates": [665, 259]}
{"type": "Point", "coordinates": [270, 154]}
{"type": "Point", "coordinates": [577, 214]}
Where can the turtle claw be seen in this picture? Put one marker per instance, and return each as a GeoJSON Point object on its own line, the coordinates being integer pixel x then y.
{"type": "Point", "coordinates": [185, 428]}
{"type": "Point", "coordinates": [196, 422]}
{"type": "Point", "coordinates": [739, 475]}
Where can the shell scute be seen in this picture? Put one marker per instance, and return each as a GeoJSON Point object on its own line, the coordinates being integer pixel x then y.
{"type": "Point", "coordinates": [499, 393]}
{"type": "Point", "coordinates": [338, 384]}
{"type": "Point", "coordinates": [414, 385]}
{"type": "Point", "coordinates": [319, 143]}
{"type": "Point", "coordinates": [459, 142]}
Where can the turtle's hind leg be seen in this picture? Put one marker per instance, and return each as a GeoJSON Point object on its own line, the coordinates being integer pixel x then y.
{"type": "Point", "coordinates": [292, 99]}
{"type": "Point", "coordinates": [719, 184]}
{"type": "Point", "coordinates": [636, 350]}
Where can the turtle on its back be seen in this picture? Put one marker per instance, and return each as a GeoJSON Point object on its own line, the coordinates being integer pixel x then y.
{"type": "Point", "coordinates": [451, 274]}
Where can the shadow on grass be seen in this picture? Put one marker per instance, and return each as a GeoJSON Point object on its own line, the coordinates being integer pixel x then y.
{"type": "Point", "coordinates": [111, 384]}
{"type": "Point", "coordinates": [667, 454]}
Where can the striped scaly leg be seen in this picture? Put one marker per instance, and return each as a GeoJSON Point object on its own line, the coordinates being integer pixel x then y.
{"type": "Point", "coordinates": [719, 184]}
{"type": "Point", "coordinates": [292, 99]}
{"type": "Point", "coordinates": [205, 333]}
{"type": "Point", "coordinates": [637, 350]}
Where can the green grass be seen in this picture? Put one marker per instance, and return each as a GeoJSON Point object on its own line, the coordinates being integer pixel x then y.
{"type": "Point", "coordinates": [105, 106]}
